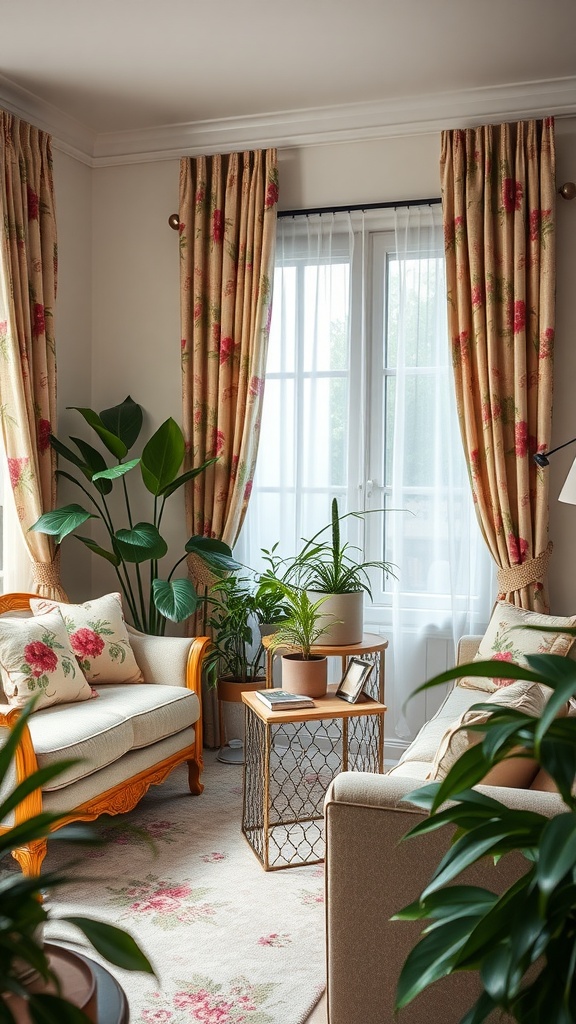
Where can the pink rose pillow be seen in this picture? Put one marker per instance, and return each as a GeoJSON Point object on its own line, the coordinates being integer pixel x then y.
{"type": "Point", "coordinates": [37, 660]}
{"type": "Point", "coordinates": [98, 637]}
{"type": "Point", "coordinates": [512, 634]}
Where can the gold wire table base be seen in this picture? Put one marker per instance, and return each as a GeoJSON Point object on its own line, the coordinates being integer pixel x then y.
{"type": "Point", "coordinates": [289, 766]}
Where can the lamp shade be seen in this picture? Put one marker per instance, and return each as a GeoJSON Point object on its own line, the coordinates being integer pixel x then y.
{"type": "Point", "coordinates": [568, 492]}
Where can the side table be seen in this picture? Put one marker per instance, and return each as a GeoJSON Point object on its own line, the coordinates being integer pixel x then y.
{"type": "Point", "coordinates": [371, 648]}
{"type": "Point", "coordinates": [288, 766]}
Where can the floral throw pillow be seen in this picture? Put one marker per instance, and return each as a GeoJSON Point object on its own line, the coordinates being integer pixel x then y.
{"type": "Point", "coordinates": [508, 639]}
{"type": "Point", "coordinates": [98, 637]}
{"type": "Point", "coordinates": [37, 660]}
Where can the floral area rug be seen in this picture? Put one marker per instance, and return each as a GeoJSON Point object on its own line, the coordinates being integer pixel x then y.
{"type": "Point", "coordinates": [230, 942]}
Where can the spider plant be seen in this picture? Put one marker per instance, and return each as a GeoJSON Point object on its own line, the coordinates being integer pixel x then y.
{"type": "Point", "coordinates": [329, 566]}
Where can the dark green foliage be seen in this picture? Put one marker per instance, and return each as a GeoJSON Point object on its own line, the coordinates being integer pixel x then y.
{"type": "Point", "coordinates": [23, 913]}
{"type": "Point", "coordinates": [522, 943]}
{"type": "Point", "coordinates": [150, 602]}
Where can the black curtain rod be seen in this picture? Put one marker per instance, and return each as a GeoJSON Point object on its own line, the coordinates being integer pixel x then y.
{"type": "Point", "coordinates": [359, 206]}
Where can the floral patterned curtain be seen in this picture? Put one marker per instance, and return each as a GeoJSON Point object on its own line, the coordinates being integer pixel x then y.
{"type": "Point", "coordinates": [498, 189]}
{"type": "Point", "coordinates": [227, 240]}
{"type": "Point", "coordinates": [28, 266]}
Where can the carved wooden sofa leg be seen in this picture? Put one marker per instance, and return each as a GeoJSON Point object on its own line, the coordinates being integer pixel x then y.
{"type": "Point", "coordinates": [30, 857]}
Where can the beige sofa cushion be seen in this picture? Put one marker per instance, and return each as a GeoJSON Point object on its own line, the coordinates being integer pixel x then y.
{"type": "Point", "coordinates": [423, 748]}
{"type": "Point", "coordinates": [522, 696]}
{"type": "Point", "coordinates": [124, 718]}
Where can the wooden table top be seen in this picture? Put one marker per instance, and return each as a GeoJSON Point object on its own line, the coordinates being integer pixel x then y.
{"type": "Point", "coordinates": [329, 706]}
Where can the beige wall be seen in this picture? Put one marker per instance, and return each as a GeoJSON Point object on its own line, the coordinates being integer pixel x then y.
{"type": "Point", "coordinates": [73, 188]}
{"type": "Point", "coordinates": [133, 262]}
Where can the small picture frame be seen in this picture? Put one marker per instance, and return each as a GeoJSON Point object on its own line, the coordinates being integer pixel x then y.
{"type": "Point", "coordinates": [352, 682]}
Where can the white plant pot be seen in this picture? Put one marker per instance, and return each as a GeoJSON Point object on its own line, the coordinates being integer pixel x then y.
{"type": "Point", "coordinates": [342, 617]}
{"type": "Point", "coordinates": [305, 677]}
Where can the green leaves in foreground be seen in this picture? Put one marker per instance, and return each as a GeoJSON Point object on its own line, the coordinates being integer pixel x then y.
{"type": "Point", "coordinates": [522, 942]}
{"type": "Point", "coordinates": [23, 910]}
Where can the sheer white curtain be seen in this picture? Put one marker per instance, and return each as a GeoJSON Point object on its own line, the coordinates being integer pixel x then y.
{"type": "Point", "coordinates": [445, 585]}
{"type": "Point", "coordinates": [359, 405]}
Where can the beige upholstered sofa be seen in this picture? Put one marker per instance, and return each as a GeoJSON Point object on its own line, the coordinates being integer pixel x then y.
{"type": "Point", "coordinates": [128, 739]}
{"type": "Point", "coordinates": [371, 874]}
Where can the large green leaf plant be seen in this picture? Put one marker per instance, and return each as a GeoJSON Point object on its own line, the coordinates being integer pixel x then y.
{"type": "Point", "coordinates": [150, 599]}
{"type": "Point", "coordinates": [522, 943]}
{"type": "Point", "coordinates": [23, 912]}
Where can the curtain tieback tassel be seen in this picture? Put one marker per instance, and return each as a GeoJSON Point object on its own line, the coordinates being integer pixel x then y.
{"type": "Point", "coordinates": [47, 574]}
{"type": "Point", "coordinates": [516, 577]}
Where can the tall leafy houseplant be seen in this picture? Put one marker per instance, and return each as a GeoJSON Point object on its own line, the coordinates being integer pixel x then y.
{"type": "Point", "coordinates": [522, 944]}
{"type": "Point", "coordinates": [23, 912]}
{"type": "Point", "coordinates": [150, 599]}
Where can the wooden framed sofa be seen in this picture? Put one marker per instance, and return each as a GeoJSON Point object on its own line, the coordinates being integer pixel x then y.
{"type": "Point", "coordinates": [130, 738]}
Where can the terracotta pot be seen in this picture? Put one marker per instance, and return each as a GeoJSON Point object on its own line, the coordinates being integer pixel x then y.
{"type": "Point", "coordinates": [342, 616]}
{"type": "Point", "coordinates": [305, 676]}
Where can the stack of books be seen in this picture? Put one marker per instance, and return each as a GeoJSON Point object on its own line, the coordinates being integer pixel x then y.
{"type": "Point", "coordinates": [281, 700]}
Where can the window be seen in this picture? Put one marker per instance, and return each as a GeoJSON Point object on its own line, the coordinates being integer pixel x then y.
{"type": "Point", "coordinates": [359, 405]}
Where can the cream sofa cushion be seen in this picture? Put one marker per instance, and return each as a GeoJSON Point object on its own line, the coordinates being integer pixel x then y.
{"type": "Point", "coordinates": [124, 718]}
{"type": "Point", "coordinates": [96, 738]}
{"type": "Point", "coordinates": [154, 712]}
{"type": "Point", "coordinates": [522, 696]}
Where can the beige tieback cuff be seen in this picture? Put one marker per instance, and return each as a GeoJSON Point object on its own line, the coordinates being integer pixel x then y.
{"type": "Point", "coordinates": [516, 577]}
{"type": "Point", "coordinates": [200, 573]}
{"type": "Point", "coordinates": [47, 574]}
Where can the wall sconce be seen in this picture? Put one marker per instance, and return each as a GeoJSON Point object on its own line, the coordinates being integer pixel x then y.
{"type": "Point", "coordinates": [541, 458]}
{"type": "Point", "coordinates": [568, 492]}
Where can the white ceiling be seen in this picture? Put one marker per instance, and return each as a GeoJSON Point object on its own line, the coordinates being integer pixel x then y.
{"type": "Point", "coordinates": [102, 69]}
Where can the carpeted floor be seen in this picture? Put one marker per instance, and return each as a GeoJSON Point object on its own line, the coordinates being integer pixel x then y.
{"type": "Point", "coordinates": [231, 943]}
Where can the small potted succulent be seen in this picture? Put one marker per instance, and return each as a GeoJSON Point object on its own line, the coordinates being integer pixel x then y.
{"type": "Point", "coordinates": [303, 672]}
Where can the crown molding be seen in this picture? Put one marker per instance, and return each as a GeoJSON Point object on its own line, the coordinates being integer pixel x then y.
{"type": "Point", "coordinates": [348, 123]}
{"type": "Point", "coordinates": [352, 122]}
{"type": "Point", "coordinates": [68, 134]}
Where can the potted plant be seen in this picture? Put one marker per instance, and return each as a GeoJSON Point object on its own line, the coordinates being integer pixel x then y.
{"type": "Point", "coordinates": [233, 609]}
{"type": "Point", "coordinates": [328, 569]}
{"type": "Point", "coordinates": [27, 980]}
{"type": "Point", "coordinates": [520, 943]}
{"type": "Point", "coordinates": [302, 671]}
{"type": "Point", "coordinates": [235, 660]}
{"type": "Point", "coordinates": [152, 600]}
{"type": "Point", "coordinates": [270, 604]}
